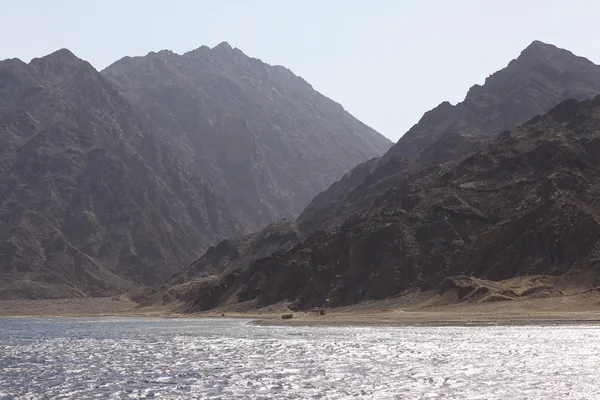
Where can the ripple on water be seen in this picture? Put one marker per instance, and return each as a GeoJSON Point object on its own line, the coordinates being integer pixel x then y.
{"type": "Point", "coordinates": [64, 358]}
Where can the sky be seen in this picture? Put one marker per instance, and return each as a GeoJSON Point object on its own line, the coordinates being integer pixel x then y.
{"type": "Point", "coordinates": [386, 62]}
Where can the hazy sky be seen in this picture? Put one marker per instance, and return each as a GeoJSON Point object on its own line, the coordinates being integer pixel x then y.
{"type": "Point", "coordinates": [386, 62]}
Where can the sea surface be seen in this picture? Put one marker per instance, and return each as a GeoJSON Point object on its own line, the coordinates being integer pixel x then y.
{"type": "Point", "coordinates": [132, 358]}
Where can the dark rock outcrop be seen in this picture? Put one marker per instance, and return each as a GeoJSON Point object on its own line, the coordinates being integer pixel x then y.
{"type": "Point", "coordinates": [213, 277]}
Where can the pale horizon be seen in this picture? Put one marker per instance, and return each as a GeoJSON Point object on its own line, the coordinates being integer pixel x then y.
{"type": "Point", "coordinates": [386, 64]}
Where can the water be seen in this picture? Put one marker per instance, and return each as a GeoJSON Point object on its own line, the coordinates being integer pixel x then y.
{"type": "Point", "coordinates": [122, 358]}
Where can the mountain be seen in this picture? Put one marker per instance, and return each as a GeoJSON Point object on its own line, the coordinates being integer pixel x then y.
{"type": "Point", "coordinates": [100, 193]}
{"type": "Point", "coordinates": [465, 197]}
{"type": "Point", "coordinates": [92, 199]}
{"type": "Point", "coordinates": [525, 204]}
{"type": "Point", "coordinates": [540, 78]}
{"type": "Point", "coordinates": [267, 140]}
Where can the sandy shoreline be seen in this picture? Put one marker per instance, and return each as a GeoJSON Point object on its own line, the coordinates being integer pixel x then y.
{"type": "Point", "coordinates": [437, 319]}
{"type": "Point", "coordinates": [402, 312]}
{"type": "Point", "coordinates": [79, 307]}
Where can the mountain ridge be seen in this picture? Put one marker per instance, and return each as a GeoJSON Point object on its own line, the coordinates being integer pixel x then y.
{"type": "Point", "coordinates": [96, 197]}
{"type": "Point", "coordinates": [449, 132]}
{"type": "Point", "coordinates": [400, 223]}
{"type": "Point", "coordinates": [219, 112]}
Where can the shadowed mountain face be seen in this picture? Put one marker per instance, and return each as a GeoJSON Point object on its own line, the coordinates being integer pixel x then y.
{"type": "Point", "coordinates": [525, 204]}
{"type": "Point", "coordinates": [540, 78]}
{"type": "Point", "coordinates": [463, 199]}
{"type": "Point", "coordinates": [98, 195]}
{"type": "Point", "coordinates": [267, 140]}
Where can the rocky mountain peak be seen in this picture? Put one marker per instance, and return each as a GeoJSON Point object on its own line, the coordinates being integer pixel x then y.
{"type": "Point", "coordinates": [539, 60]}
{"type": "Point", "coordinates": [61, 66]}
{"type": "Point", "coordinates": [62, 57]}
{"type": "Point", "coordinates": [257, 118]}
{"type": "Point", "coordinates": [541, 51]}
{"type": "Point", "coordinates": [223, 46]}
{"type": "Point", "coordinates": [537, 80]}
{"type": "Point", "coordinates": [542, 76]}
{"type": "Point", "coordinates": [538, 57]}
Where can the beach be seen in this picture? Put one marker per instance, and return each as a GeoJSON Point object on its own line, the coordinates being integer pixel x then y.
{"type": "Point", "coordinates": [405, 310]}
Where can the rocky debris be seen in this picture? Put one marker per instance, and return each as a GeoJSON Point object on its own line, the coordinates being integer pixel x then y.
{"type": "Point", "coordinates": [112, 180]}
{"type": "Point", "coordinates": [470, 289]}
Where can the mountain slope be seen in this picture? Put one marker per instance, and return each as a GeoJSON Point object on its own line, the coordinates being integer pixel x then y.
{"type": "Point", "coordinates": [91, 199]}
{"type": "Point", "coordinates": [525, 204]}
{"type": "Point", "coordinates": [266, 138]}
{"type": "Point", "coordinates": [541, 77]}
{"type": "Point", "coordinates": [408, 220]}
{"type": "Point", "coordinates": [99, 195]}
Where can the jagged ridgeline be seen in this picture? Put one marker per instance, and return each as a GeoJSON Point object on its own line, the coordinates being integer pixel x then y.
{"type": "Point", "coordinates": [501, 185]}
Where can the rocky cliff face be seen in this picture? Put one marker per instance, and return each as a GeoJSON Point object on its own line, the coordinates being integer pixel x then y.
{"type": "Point", "coordinates": [466, 200]}
{"type": "Point", "coordinates": [267, 140]}
{"type": "Point", "coordinates": [99, 194]}
{"type": "Point", "coordinates": [525, 204]}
